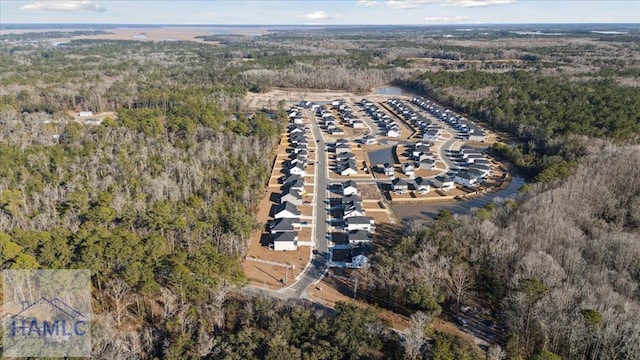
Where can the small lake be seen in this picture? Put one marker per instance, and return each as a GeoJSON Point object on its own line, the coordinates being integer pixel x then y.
{"type": "Point", "coordinates": [381, 156]}
{"type": "Point", "coordinates": [392, 91]}
{"type": "Point", "coordinates": [411, 212]}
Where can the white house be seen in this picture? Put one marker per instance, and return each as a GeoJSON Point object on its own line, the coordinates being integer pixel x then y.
{"type": "Point", "coordinates": [393, 132]}
{"type": "Point", "coordinates": [296, 129]}
{"type": "Point", "coordinates": [465, 179]}
{"type": "Point", "coordinates": [297, 169]}
{"type": "Point", "coordinates": [421, 185]}
{"type": "Point", "coordinates": [342, 148]}
{"type": "Point", "coordinates": [428, 164]}
{"type": "Point", "coordinates": [388, 169]}
{"type": "Point", "coordinates": [369, 140]}
{"type": "Point", "coordinates": [349, 188]}
{"type": "Point", "coordinates": [360, 223]}
{"type": "Point", "coordinates": [409, 169]}
{"type": "Point", "coordinates": [285, 241]}
{"type": "Point", "coordinates": [432, 134]}
{"type": "Point", "coordinates": [286, 210]}
{"type": "Point", "coordinates": [353, 209]}
{"type": "Point", "coordinates": [292, 196]}
{"type": "Point", "coordinates": [444, 183]}
{"type": "Point", "coordinates": [348, 168]}
{"type": "Point", "coordinates": [357, 124]}
{"type": "Point", "coordinates": [399, 185]}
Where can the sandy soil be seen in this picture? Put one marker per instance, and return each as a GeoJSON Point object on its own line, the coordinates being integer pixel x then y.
{"type": "Point", "coordinates": [270, 276]}
{"type": "Point", "coordinates": [369, 192]}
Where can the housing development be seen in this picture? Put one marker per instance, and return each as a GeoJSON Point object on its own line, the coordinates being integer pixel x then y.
{"type": "Point", "coordinates": [447, 188]}
{"type": "Point", "coordinates": [343, 163]}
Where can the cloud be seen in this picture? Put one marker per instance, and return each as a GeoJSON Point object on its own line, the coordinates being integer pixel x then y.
{"type": "Point", "coordinates": [369, 3]}
{"type": "Point", "coordinates": [69, 5]}
{"type": "Point", "coordinates": [403, 4]}
{"type": "Point", "coordinates": [316, 15]}
{"type": "Point", "coordinates": [445, 19]}
{"type": "Point", "coordinates": [413, 4]}
{"type": "Point", "coordinates": [477, 3]}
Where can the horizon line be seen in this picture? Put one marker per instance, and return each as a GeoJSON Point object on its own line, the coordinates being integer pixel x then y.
{"type": "Point", "coordinates": [317, 25]}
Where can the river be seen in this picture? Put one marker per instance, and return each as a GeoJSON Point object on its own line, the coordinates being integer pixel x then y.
{"type": "Point", "coordinates": [411, 212]}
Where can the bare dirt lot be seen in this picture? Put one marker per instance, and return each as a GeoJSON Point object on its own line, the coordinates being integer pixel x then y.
{"type": "Point", "coordinates": [268, 275]}
{"type": "Point", "coordinates": [369, 192]}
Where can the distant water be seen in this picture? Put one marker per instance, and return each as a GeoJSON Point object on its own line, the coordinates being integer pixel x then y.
{"type": "Point", "coordinates": [422, 212]}
{"type": "Point", "coordinates": [391, 90]}
{"type": "Point", "coordinates": [381, 156]}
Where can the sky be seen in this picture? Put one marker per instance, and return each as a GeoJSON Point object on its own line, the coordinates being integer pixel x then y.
{"type": "Point", "coordinates": [320, 12]}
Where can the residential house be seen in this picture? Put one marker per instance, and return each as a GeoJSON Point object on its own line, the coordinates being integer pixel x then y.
{"type": "Point", "coordinates": [349, 188]}
{"type": "Point", "coordinates": [360, 223]}
{"type": "Point", "coordinates": [296, 129]}
{"type": "Point", "coordinates": [297, 169]}
{"type": "Point", "coordinates": [477, 135]}
{"type": "Point", "coordinates": [471, 158]}
{"type": "Point", "coordinates": [284, 225]}
{"type": "Point", "coordinates": [345, 157]}
{"type": "Point", "coordinates": [342, 148]}
{"type": "Point", "coordinates": [357, 258]}
{"type": "Point", "coordinates": [399, 185]}
{"type": "Point", "coordinates": [347, 167]}
{"type": "Point", "coordinates": [421, 185]}
{"type": "Point", "coordinates": [357, 124]}
{"type": "Point", "coordinates": [465, 179]}
{"type": "Point", "coordinates": [484, 169]}
{"type": "Point", "coordinates": [369, 140]}
{"type": "Point", "coordinates": [359, 237]}
{"type": "Point", "coordinates": [393, 132]}
{"type": "Point", "coordinates": [408, 168]}
{"type": "Point", "coordinates": [444, 182]}
{"type": "Point", "coordinates": [428, 164]}
{"type": "Point", "coordinates": [336, 131]}
{"type": "Point", "coordinates": [297, 185]}
{"type": "Point", "coordinates": [292, 196]}
{"type": "Point", "coordinates": [352, 209]}
{"type": "Point", "coordinates": [298, 159]}
{"type": "Point", "coordinates": [285, 241]}
{"type": "Point", "coordinates": [300, 153]}
{"type": "Point", "coordinates": [432, 134]}
{"type": "Point", "coordinates": [477, 174]}
{"type": "Point", "coordinates": [289, 179]}
{"type": "Point", "coordinates": [286, 210]}
{"type": "Point", "coordinates": [388, 169]}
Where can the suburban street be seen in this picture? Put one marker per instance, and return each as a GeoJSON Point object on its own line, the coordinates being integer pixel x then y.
{"type": "Point", "coordinates": [318, 261]}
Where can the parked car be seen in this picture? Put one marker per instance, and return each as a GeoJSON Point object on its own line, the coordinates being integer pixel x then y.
{"type": "Point", "coordinates": [462, 321]}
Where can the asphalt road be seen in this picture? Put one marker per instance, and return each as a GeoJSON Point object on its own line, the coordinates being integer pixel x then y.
{"type": "Point", "coordinates": [319, 261]}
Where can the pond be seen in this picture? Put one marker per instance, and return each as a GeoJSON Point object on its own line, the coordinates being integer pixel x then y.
{"type": "Point", "coordinates": [411, 212]}
{"type": "Point", "coordinates": [381, 156]}
{"type": "Point", "coordinates": [392, 91]}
